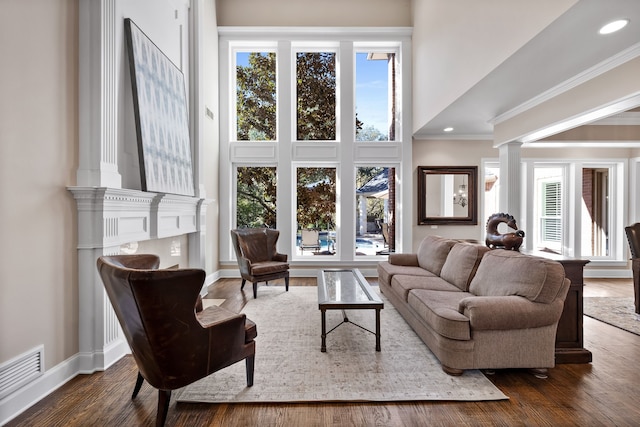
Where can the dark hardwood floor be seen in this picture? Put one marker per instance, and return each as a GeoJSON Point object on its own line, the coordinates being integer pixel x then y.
{"type": "Point", "coordinates": [603, 393]}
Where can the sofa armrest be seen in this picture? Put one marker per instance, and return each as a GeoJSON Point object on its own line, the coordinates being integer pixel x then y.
{"type": "Point", "coordinates": [508, 312]}
{"type": "Point", "coordinates": [404, 259]}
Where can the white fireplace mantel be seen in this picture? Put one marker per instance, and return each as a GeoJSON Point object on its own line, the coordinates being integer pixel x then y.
{"type": "Point", "coordinates": [109, 217]}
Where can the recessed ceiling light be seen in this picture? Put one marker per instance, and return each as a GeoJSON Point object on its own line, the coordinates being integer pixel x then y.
{"type": "Point", "coordinates": [614, 26]}
{"type": "Point", "coordinates": [449, 129]}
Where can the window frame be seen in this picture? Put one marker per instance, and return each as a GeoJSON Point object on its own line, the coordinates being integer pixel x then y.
{"type": "Point", "coordinates": [250, 47]}
{"type": "Point", "coordinates": [572, 205]}
{"type": "Point", "coordinates": [287, 152]}
{"type": "Point", "coordinates": [315, 47]}
{"type": "Point", "coordinates": [542, 214]}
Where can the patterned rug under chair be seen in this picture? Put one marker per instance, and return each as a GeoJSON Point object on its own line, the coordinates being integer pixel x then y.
{"type": "Point", "coordinates": [289, 366]}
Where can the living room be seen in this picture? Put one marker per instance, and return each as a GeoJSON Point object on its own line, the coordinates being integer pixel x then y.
{"type": "Point", "coordinates": [73, 76]}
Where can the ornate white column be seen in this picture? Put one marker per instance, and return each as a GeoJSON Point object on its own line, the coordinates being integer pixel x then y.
{"type": "Point", "coordinates": [109, 215]}
{"type": "Point", "coordinates": [511, 178]}
{"type": "Point", "coordinates": [98, 94]}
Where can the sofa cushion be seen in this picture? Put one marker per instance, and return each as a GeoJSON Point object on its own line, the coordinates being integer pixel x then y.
{"type": "Point", "coordinates": [403, 259]}
{"type": "Point", "coordinates": [439, 309]}
{"type": "Point", "coordinates": [502, 272]}
{"type": "Point", "coordinates": [387, 270]}
{"type": "Point", "coordinates": [402, 284]}
{"type": "Point", "coordinates": [462, 263]}
{"type": "Point", "coordinates": [432, 253]}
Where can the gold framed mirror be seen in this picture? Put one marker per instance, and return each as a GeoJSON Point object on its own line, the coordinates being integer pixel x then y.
{"type": "Point", "coordinates": [447, 195]}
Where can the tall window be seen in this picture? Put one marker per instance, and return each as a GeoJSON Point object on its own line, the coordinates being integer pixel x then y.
{"type": "Point", "coordinates": [256, 96]}
{"type": "Point", "coordinates": [316, 209]}
{"type": "Point", "coordinates": [308, 121]}
{"type": "Point", "coordinates": [548, 207]}
{"type": "Point", "coordinates": [375, 96]}
{"type": "Point", "coordinates": [551, 213]}
{"type": "Point", "coordinates": [595, 212]}
{"type": "Point", "coordinates": [316, 96]}
{"type": "Point", "coordinates": [491, 194]}
{"type": "Point", "coordinates": [375, 223]}
{"type": "Point", "coordinates": [256, 197]}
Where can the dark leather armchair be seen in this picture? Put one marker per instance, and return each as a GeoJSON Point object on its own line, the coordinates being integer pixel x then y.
{"type": "Point", "coordinates": [633, 236]}
{"type": "Point", "coordinates": [258, 258]}
{"type": "Point", "coordinates": [173, 341]}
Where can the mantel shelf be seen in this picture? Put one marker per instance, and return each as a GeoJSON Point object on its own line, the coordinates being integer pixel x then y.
{"type": "Point", "coordinates": [125, 215]}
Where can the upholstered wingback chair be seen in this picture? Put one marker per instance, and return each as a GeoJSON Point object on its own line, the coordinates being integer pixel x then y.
{"type": "Point", "coordinates": [173, 341]}
{"type": "Point", "coordinates": [633, 236]}
{"type": "Point", "coordinates": [258, 258]}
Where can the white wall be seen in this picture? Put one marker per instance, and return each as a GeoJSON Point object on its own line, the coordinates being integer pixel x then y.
{"type": "Point", "coordinates": [325, 13]}
{"type": "Point", "coordinates": [442, 153]}
{"type": "Point", "coordinates": [40, 134]}
{"type": "Point", "coordinates": [446, 36]}
{"type": "Point", "coordinates": [38, 159]}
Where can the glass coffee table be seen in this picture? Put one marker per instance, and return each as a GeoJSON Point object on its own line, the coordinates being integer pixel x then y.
{"type": "Point", "coordinates": [346, 290]}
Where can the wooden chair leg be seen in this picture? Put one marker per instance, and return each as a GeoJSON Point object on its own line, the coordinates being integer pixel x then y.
{"type": "Point", "coordinates": [250, 361]}
{"type": "Point", "coordinates": [164, 396]}
{"type": "Point", "coordinates": [136, 389]}
{"type": "Point", "coordinates": [255, 290]}
{"type": "Point", "coordinates": [243, 282]}
{"type": "Point", "coordinates": [286, 283]}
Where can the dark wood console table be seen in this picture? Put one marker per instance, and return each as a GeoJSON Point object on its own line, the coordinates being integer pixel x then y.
{"type": "Point", "coordinates": [569, 338]}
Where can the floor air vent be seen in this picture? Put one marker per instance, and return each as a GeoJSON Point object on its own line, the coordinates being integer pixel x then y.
{"type": "Point", "coordinates": [21, 370]}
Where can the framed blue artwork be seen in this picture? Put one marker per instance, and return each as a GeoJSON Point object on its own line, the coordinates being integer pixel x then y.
{"type": "Point", "coordinates": [161, 116]}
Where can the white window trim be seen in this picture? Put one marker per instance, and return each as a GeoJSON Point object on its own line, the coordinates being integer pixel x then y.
{"type": "Point", "coordinates": [286, 151]}
{"type": "Point", "coordinates": [572, 203]}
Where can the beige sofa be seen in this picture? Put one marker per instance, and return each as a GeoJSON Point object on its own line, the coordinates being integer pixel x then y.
{"type": "Point", "coordinates": [477, 308]}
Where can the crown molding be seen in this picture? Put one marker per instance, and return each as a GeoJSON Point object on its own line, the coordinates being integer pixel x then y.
{"type": "Point", "coordinates": [448, 137]}
{"type": "Point", "coordinates": [306, 32]}
{"type": "Point", "coordinates": [583, 77]}
{"type": "Point", "coordinates": [582, 144]}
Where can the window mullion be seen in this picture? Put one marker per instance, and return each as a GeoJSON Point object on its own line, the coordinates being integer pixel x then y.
{"type": "Point", "coordinates": [285, 115]}
{"type": "Point", "coordinates": [346, 206]}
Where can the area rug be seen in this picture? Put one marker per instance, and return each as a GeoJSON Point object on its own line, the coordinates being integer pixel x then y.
{"type": "Point", "coordinates": [618, 312]}
{"type": "Point", "coordinates": [290, 367]}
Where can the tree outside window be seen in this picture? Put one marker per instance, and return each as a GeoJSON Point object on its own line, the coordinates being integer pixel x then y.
{"type": "Point", "coordinates": [256, 96]}
{"type": "Point", "coordinates": [316, 195]}
{"type": "Point", "coordinates": [316, 96]}
{"type": "Point", "coordinates": [256, 197]}
{"type": "Point", "coordinates": [315, 100]}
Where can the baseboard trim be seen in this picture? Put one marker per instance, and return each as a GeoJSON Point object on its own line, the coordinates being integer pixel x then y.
{"type": "Point", "coordinates": [81, 363]}
{"type": "Point", "coordinates": [27, 396]}
{"type": "Point", "coordinates": [607, 274]}
{"type": "Point", "coordinates": [210, 280]}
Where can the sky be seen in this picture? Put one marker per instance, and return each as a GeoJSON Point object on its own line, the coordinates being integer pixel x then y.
{"type": "Point", "coordinates": [371, 90]}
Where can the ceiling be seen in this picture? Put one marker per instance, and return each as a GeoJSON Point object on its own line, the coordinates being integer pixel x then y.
{"type": "Point", "coordinates": [566, 48]}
